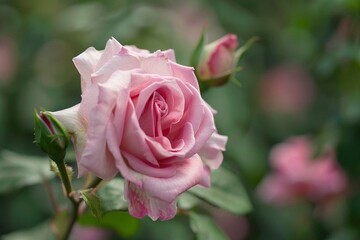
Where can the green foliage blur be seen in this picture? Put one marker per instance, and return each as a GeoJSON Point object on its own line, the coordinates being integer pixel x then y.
{"type": "Point", "coordinates": [315, 42]}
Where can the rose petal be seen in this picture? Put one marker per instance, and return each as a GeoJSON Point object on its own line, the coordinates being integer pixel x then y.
{"type": "Point", "coordinates": [135, 138]}
{"type": "Point", "coordinates": [189, 173]}
{"type": "Point", "coordinates": [117, 62]}
{"type": "Point", "coordinates": [96, 156]}
{"type": "Point", "coordinates": [142, 204]}
{"type": "Point", "coordinates": [157, 64]}
{"type": "Point", "coordinates": [186, 74]}
{"type": "Point", "coordinates": [76, 126]}
{"type": "Point", "coordinates": [112, 48]}
{"type": "Point", "coordinates": [170, 54]}
{"type": "Point", "coordinates": [211, 153]}
{"type": "Point", "coordinates": [85, 64]}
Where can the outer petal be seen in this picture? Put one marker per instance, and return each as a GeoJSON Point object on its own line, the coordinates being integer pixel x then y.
{"type": "Point", "coordinates": [189, 173]}
{"type": "Point", "coordinates": [96, 156]}
{"type": "Point", "coordinates": [186, 74]}
{"type": "Point", "coordinates": [142, 204]}
{"type": "Point", "coordinates": [85, 64]}
{"type": "Point", "coordinates": [170, 54]}
{"type": "Point", "coordinates": [211, 153]}
{"type": "Point", "coordinates": [112, 48]}
{"type": "Point", "coordinates": [75, 125]}
{"type": "Point", "coordinates": [157, 64]}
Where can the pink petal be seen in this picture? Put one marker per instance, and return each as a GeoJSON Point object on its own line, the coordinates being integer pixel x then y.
{"type": "Point", "coordinates": [144, 168]}
{"type": "Point", "coordinates": [135, 139]}
{"type": "Point", "coordinates": [121, 165]}
{"type": "Point", "coordinates": [211, 153]}
{"type": "Point", "coordinates": [76, 126]}
{"type": "Point", "coordinates": [189, 173]}
{"type": "Point", "coordinates": [112, 48]}
{"type": "Point", "coordinates": [156, 64]}
{"type": "Point", "coordinates": [123, 62]}
{"type": "Point", "coordinates": [96, 156]}
{"type": "Point", "coordinates": [186, 74]}
{"type": "Point", "coordinates": [142, 204]}
{"type": "Point", "coordinates": [85, 64]}
{"type": "Point", "coordinates": [170, 54]}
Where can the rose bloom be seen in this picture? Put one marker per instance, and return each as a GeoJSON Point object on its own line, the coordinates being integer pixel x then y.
{"type": "Point", "coordinates": [142, 115]}
{"type": "Point", "coordinates": [218, 59]}
{"type": "Point", "coordinates": [296, 175]}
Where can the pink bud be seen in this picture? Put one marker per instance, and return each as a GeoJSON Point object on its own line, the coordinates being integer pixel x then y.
{"type": "Point", "coordinates": [218, 59]}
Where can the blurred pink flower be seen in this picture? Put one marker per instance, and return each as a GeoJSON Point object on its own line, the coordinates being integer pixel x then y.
{"type": "Point", "coordinates": [296, 175]}
{"type": "Point", "coordinates": [286, 89]}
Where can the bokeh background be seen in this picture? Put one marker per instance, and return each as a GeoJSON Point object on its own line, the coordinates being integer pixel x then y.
{"type": "Point", "coordinates": [302, 77]}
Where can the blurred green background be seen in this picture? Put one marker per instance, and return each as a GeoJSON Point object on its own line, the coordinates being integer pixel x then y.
{"type": "Point", "coordinates": [301, 77]}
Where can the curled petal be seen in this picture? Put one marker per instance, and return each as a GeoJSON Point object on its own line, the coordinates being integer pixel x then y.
{"type": "Point", "coordinates": [189, 173]}
{"type": "Point", "coordinates": [86, 63]}
{"type": "Point", "coordinates": [142, 204]}
{"type": "Point", "coordinates": [211, 153]}
{"type": "Point", "coordinates": [76, 126]}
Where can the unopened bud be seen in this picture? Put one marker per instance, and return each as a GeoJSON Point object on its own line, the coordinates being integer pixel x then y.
{"type": "Point", "coordinates": [51, 136]}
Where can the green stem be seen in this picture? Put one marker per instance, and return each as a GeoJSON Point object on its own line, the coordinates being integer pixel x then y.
{"type": "Point", "coordinates": [65, 179]}
{"type": "Point", "coordinates": [94, 183]}
{"type": "Point", "coordinates": [74, 217]}
{"type": "Point", "coordinates": [68, 189]}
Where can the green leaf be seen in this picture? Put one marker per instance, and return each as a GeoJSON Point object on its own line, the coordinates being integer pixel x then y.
{"type": "Point", "coordinates": [18, 170]}
{"type": "Point", "coordinates": [226, 192]}
{"type": "Point", "coordinates": [196, 54]}
{"type": "Point", "coordinates": [40, 232]}
{"type": "Point", "coordinates": [205, 228]}
{"type": "Point", "coordinates": [187, 201]}
{"type": "Point", "coordinates": [92, 201]}
{"type": "Point", "coordinates": [112, 195]}
{"type": "Point", "coordinates": [121, 222]}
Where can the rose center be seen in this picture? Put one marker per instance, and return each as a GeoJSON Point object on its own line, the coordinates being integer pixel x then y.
{"type": "Point", "coordinates": [160, 105]}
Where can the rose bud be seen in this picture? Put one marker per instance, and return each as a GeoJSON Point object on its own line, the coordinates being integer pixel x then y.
{"type": "Point", "coordinates": [216, 62]}
{"type": "Point", "coordinates": [51, 136]}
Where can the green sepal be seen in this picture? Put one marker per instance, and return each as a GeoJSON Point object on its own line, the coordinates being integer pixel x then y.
{"type": "Point", "coordinates": [197, 52]}
{"type": "Point", "coordinates": [245, 47]}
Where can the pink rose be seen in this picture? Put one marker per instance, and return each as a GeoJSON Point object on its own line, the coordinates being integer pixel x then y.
{"type": "Point", "coordinates": [296, 175]}
{"type": "Point", "coordinates": [142, 115]}
{"type": "Point", "coordinates": [218, 59]}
